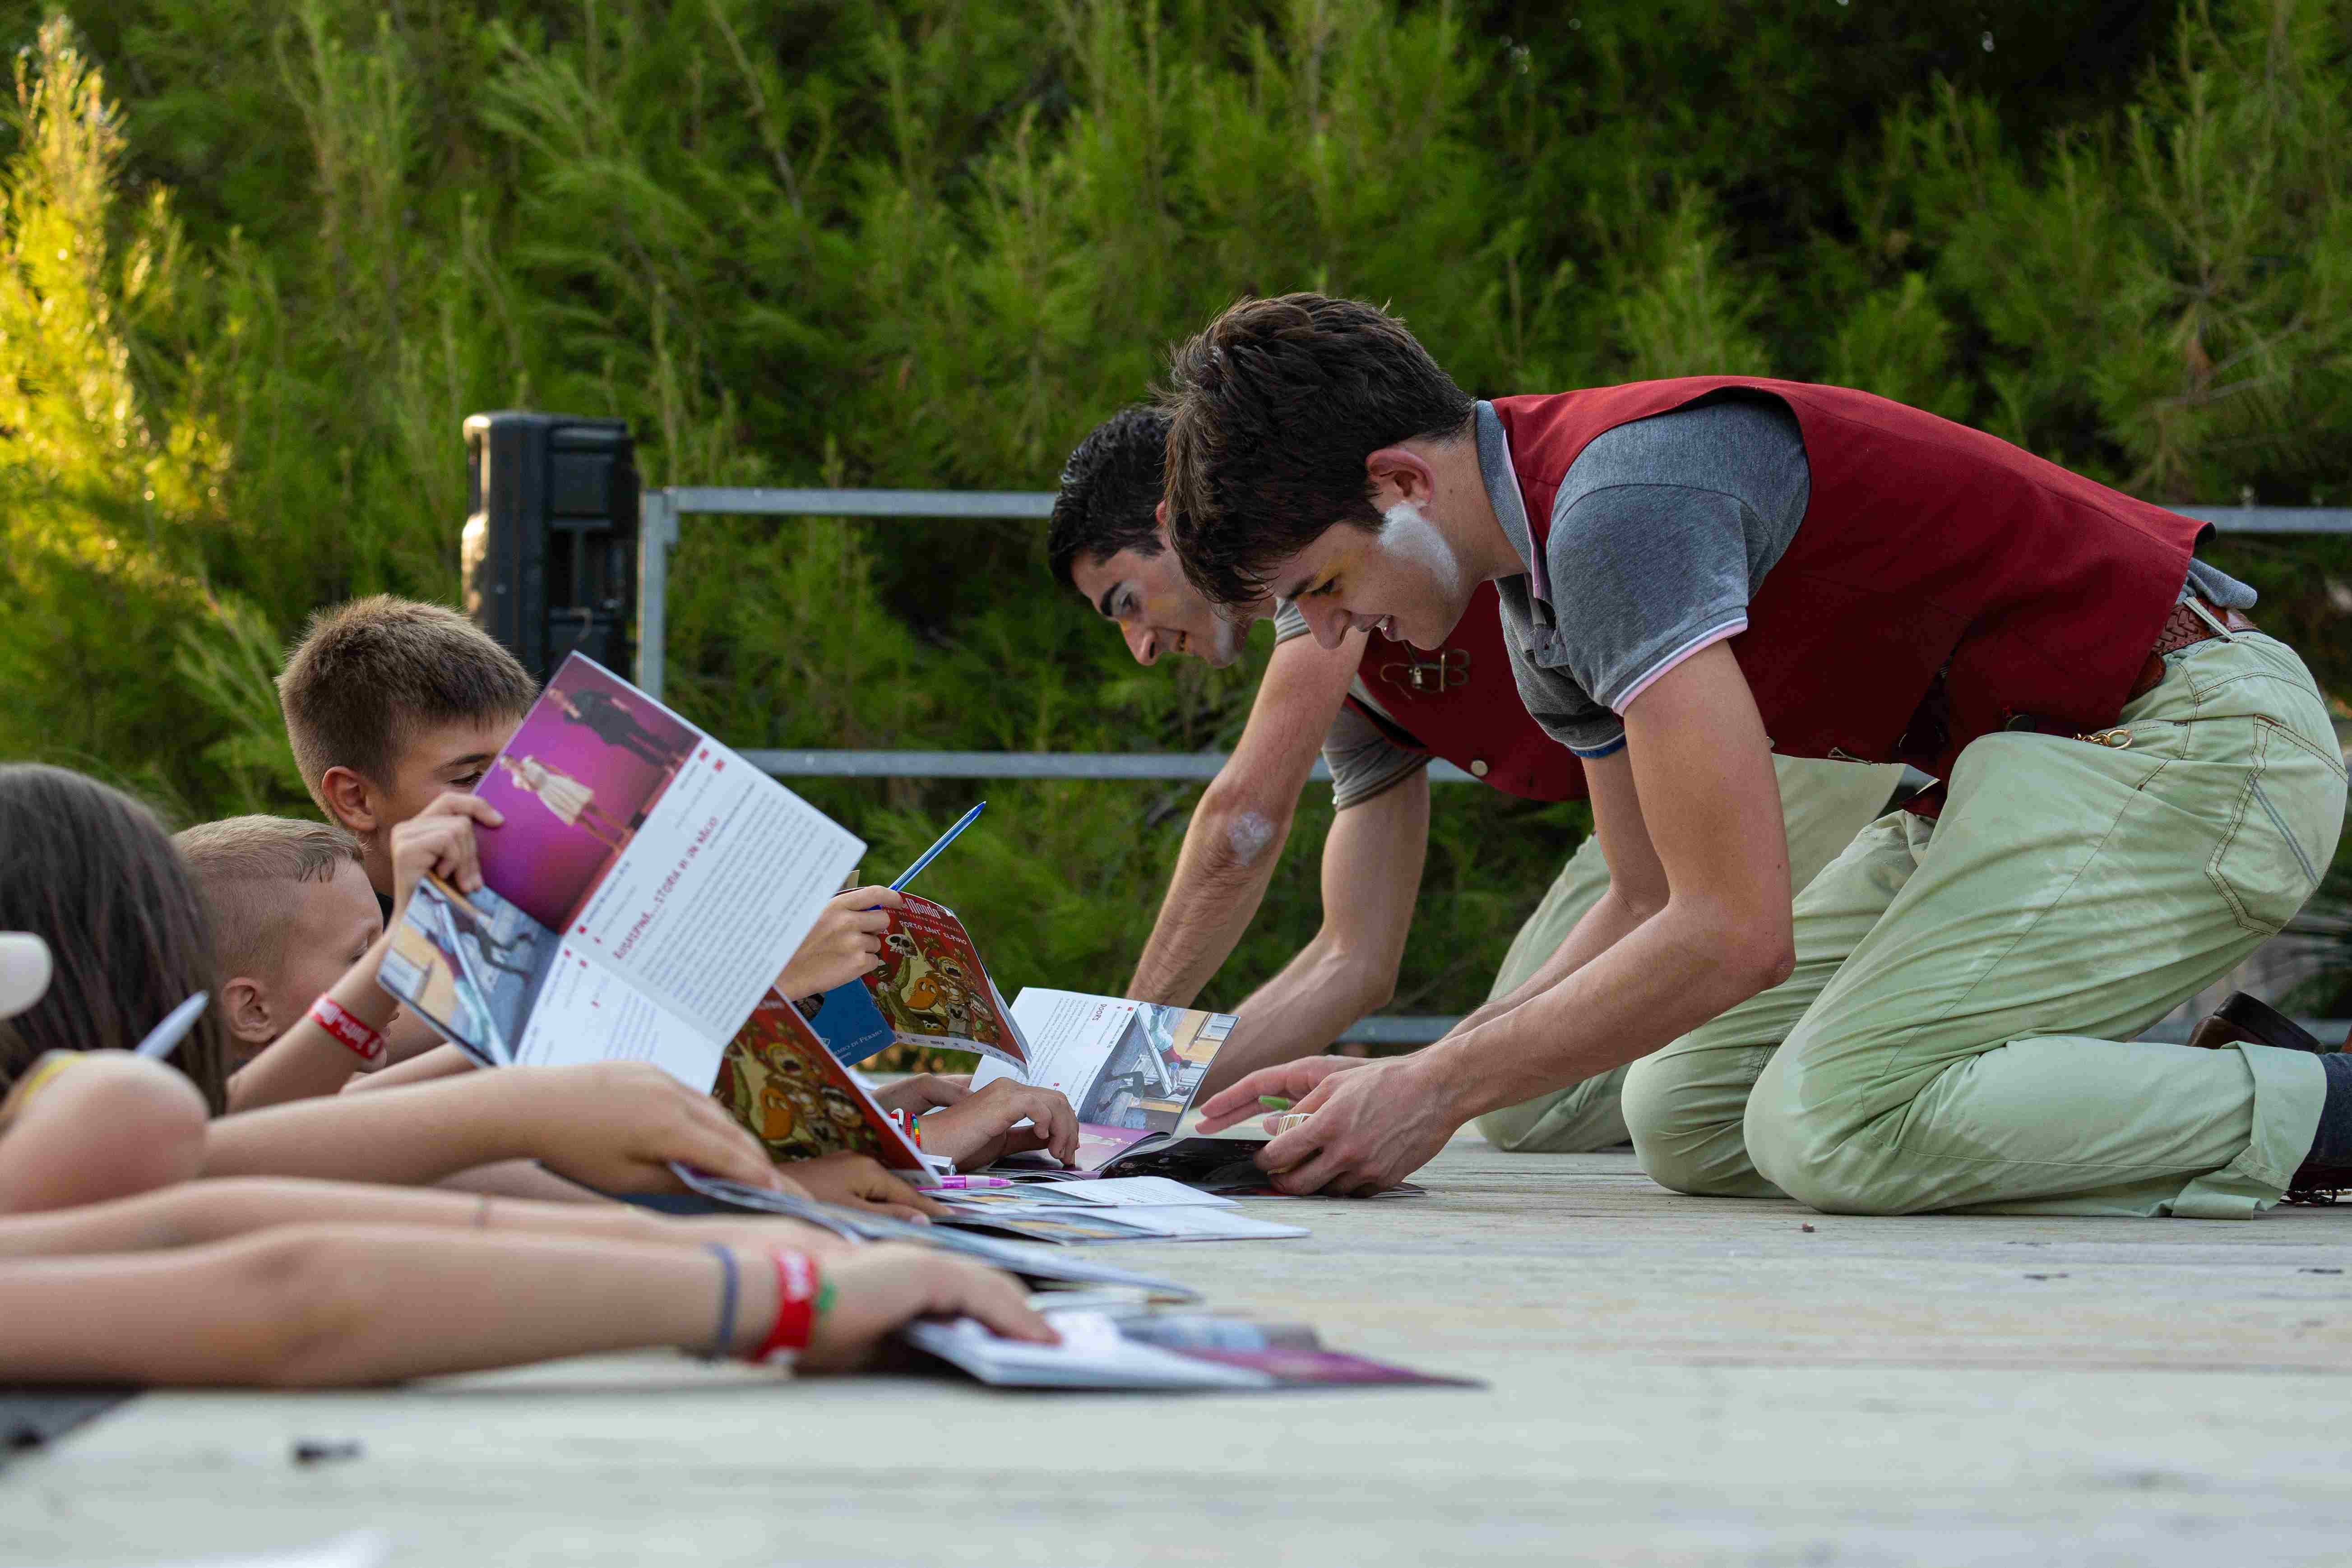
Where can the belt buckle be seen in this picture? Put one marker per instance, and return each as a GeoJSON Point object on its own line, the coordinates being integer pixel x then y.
{"type": "Point", "coordinates": [1448, 668]}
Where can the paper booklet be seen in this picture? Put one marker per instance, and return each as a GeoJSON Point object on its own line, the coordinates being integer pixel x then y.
{"type": "Point", "coordinates": [1098, 1350]}
{"type": "Point", "coordinates": [645, 889]}
{"type": "Point", "coordinates": [1027, 1259]}
{"type": "Point", "coordinates": [1134, 1208]}
{"type": "Point", "coordinates": [930, 990]}
{"type": "Point", "coordinates": [1130, 1070]}
{"type": "Point", "coordinates": [779, 1081]}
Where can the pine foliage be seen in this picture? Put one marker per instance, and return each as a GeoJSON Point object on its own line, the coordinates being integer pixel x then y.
{"type": "Point", "coordinates": [257, 262]}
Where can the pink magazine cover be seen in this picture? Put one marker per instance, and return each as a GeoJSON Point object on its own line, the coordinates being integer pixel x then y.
{"type": "Point", "coordinates": [575, 783]}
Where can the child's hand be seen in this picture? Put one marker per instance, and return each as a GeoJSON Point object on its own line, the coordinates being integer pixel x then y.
{"type": "Point", "coordinates": [860, 1182]}
{"type": "Point", "coordinates": [924, 1092]}
{"type": "Point", "coordinates": [880, 1288]}
{"type": "Point", "coordinates": [616, 1126]}
{"type": "Point", "coordinates": [845, 943]}
{"type": "Point", "coordinates": [440, 839]}
{"type": "Point", "coordinates": [980, 1128]}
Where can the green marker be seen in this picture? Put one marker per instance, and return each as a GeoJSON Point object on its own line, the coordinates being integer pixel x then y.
{"type": "Point", "coordinates": [1273, 1102]}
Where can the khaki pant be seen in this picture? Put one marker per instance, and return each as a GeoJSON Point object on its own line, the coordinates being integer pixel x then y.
{"type": "Point", "coordinates": [1825, 803]}
{"type": "Point", "coordinates": [1950, 1038]}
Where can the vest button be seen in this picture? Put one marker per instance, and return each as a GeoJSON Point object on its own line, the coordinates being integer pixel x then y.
{"type": "Point", "coordinates": [1478, 768]}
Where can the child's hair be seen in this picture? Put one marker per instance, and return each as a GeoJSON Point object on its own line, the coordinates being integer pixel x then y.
{"type": "Point", "coordinates": [241, 864]}
{"type": "Point", "coordinates": [367, 673]}
{"type": "Point", "coordinates": [91, 871]}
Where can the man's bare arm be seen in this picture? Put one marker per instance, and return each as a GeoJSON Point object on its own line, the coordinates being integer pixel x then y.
{"type": "Point", "coordinates": [1371, 874]}
{"type": "Point", "coordinates": [1238, 830]}
{"type": "Point", "coordinates": [1699, 769]}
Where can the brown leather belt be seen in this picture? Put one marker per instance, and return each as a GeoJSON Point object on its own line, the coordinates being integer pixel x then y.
{"type": "Point", "coordinates": [2184, 628]}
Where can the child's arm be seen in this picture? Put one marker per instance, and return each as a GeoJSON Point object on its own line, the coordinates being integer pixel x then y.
{"type": "Point", "coordinates": [196, 1213]}
{"type": "Point", "coordinates": [613, 1126]}
{"type": "Point", "coordinates": [308, 1060]}
{"type": "Point", "coordinates": [84, 1126]}
{"type": "Point", "coordinates": [441, 1061]}
{"type": "Point", "coordinates": [318, 1305]}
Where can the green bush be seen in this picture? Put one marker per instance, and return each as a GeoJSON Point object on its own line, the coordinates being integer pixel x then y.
{"type": "Point", "coordinates": [259, 262]}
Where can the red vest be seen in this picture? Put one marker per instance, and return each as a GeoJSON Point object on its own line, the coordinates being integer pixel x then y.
{"type": "Point", "coordinates": [1942, 583]}
{"type": "Point", "coordinates": [1461, 702]}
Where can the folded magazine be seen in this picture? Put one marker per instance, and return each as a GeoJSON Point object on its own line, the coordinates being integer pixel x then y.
{"type": "Point", "coordinates": [646, 888]}
{"type": "Point", "coordinates": [1131, 1070]}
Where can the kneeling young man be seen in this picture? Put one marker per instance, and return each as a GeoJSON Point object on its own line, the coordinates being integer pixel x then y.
{"type": "Point", "coordinates": [1381, 712]}
{"type": "Point", "coordinates": [2137, 786]}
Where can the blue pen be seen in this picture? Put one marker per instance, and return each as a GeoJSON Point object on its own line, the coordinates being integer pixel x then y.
{"type": "Point", "coordinates": [927, 856]}
{"type": "Point", "coordinates": [165, 1036]}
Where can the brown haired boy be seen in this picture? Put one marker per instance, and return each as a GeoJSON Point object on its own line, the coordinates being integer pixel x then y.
{"type": "Point", "coordinates": [390, 703]}
{"type": "Point", "coordinates": [291, 910]}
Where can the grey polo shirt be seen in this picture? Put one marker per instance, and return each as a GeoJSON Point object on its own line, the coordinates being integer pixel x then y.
{"type": "Point", "coordinates": [1365, 759]}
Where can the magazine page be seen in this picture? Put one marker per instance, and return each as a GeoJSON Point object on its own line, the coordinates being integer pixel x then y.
{"type": "Point", "coordinates": [780, 1082]}
{"type": "Point", "coordinates": [1130, 1068]}
{"type": "Point", "coordinates": [646, 888]}
{"type": "Point", "coordinates": [932, 989]}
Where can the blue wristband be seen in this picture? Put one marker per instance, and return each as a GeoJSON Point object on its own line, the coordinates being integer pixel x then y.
{"type": "Point", "coordinates": [722, 1342]}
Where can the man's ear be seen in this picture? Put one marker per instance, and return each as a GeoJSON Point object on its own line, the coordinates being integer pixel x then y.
{"type": "Point", "coordinates": [1397, 473]}
{"type": "Point", "coordinates": [246, 1007]}
{"type": "Point", "coordinates": [349, 799]}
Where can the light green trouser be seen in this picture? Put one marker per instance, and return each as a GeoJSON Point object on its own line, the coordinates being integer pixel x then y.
{"type": "Point", "coordinates": [1948, 1039]}
{"type": "Point", "coordinates": [1825, 804]}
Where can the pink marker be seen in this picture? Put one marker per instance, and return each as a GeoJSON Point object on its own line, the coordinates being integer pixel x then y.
{"type": "Point", "coordinates": [966, 1184]}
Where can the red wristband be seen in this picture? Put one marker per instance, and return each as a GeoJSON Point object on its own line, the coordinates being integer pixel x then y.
{"type": "Point", "coordinates": [798, 1281]}
{"type": "Point", "coordinates": [362, 1041]}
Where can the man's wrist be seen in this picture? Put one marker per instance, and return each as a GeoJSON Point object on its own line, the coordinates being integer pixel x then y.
{"type": "Point", "coordinates": [1445, 1074]}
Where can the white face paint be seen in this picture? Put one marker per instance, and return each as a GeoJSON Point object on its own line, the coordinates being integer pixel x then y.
{"type": "Point", "coordinates": [1411, 540]}
{"type": "Point", "coordinates": [1248, 837]}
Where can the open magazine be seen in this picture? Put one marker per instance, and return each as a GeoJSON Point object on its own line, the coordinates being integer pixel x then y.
{"type": "Point", "coordinates": [1098, 1350]}
{"type": "Point", "coordinates": [929, 989]}
{"type": "Point", "coordinates": [779, 1081]}
{"type": "Point", "coordinates": [645, 889]}
{"type": "Point", "coordinates": [1132, 1208]}
{"type": "Point", "coordinates": [1130, 1070]}
{"type": "Point", "coordinates": [1024, 1258]}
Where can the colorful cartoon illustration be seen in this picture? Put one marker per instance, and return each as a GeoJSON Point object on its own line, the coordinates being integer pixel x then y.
{"type": "Point", "coordinates": [930, 985]}
{"type": "Point", "coordinates": [779, 1081]}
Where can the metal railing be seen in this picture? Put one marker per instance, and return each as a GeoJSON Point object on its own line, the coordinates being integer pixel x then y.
{"type": "Point", "coordinates": [661, 511]}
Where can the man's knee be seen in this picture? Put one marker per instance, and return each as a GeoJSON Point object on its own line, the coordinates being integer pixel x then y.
{"type": "Point", "coordinates": [1578, 1120]}
{"type": "Point", "coordinates": [1684, 1123]}
{"type": "Point", "coordinates": [1820, 1158]}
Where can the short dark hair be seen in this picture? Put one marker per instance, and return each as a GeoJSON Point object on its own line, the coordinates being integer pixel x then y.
{"type": "Point", "coordinates": [1110, 492]}
{"type": "Point", "coordinates": [242, 866]}
{"type": "Point", "coordinates": [1278, 404]}
{"type": "Point", "coordinates": [90, 870]}
{"type": "Point", "coordinates": [367, 673]}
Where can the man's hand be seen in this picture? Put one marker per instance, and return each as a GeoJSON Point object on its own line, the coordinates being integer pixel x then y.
{"type": "Point", "coordinates": [924, 1092]}
{"type": "Point", "coordinates": [1292, 1080]}
{"type": "Point", "coordinates": [878, 1288]}
{"type": "Point", "coordinates": [845, 942]}
{"type": "Point", "coordinates": [1370, 1129]}
{"type": "Point", "coordinates": [440, 839]}
{"type": "Point", "coordinates": [616, 1126]}
{"type": "Point", "coordinates": [980, 1129]}
{"type": "Point", "coordinates": [859, 1181]}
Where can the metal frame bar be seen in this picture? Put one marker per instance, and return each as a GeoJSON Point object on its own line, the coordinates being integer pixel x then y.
{"type": "Point", "coordinates": [657, 532]}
